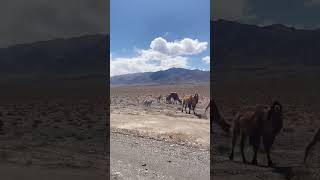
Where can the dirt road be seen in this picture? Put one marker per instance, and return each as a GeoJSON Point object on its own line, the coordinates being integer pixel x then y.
{"type": "Point", "coordinates": [159, 147]}
{"type": "Point", "coordinates": [144, 158]}
{"type": "Point", "coordinates": [191, 130]}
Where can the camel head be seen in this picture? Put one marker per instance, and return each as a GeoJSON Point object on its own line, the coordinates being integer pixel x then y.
{"type": "Point", "coordinates": [275, 115]}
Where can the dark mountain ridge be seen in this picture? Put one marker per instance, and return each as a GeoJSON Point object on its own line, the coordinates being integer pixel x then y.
{"type": "Point", "coordinates": [233, 43]}
{"type": "Point", "coordinates": [79, 55]}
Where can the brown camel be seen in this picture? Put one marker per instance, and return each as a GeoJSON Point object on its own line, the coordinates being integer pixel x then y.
{"type": "Point", "coordinates": [190, 102]}
{"type": "Point", "coordinates": [174, 96]}
{"type": "Point", "coordinates": [257, 122]}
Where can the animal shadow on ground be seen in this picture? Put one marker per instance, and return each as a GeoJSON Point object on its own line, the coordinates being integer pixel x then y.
{"type": "Point", "coordinates": [201, 116]}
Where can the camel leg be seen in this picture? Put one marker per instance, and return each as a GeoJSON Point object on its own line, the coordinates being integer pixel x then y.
{"type": "Point", "coordinates": [243, 140]}
{"type": "Point", "coordinates": [267, 142]}
{"type": "Point", "coordinates": [193, 109]}
{"type": "Point", "coordinates": [255, 142]}
{"type": "Point", "coordinates": [270, 163]}
{"type": "Point", "coordinates": [182, 107]}
{"type": "Point", "coordinates": [234, 141]}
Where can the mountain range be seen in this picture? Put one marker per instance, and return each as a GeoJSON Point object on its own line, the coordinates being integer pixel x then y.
{"type": "Point", "coordinates": [83, 55]}
{"type": "Point", "coordinates": [233, 43]}
{"type": "Point", "coordinates": [169, 76]}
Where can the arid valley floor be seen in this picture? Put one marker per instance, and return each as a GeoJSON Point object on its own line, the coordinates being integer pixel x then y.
{"type": "Point", "coordinates": [66, 136]}
{"type": "Point", "coordinates": [160, 141]}
{"type": "Point", "coordinates": [53, 137]}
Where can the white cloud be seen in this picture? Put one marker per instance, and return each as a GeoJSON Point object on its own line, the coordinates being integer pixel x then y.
{"type": "Point", "coordinates": [160, 56]}
{"type": "Point", "coordinates": [185, 46]}
{"type": "Point", "coordinates": [206, 59]}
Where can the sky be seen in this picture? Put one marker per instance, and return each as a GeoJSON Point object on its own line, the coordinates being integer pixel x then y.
{"type": "Point", "coordinates": [301, 14]}
{"type": "Point", "coordinates": [153, 35]}
{"type": "Point", "coordinates": [26, 21]}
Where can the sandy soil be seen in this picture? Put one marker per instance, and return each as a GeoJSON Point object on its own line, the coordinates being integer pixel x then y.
{"type": "Point", "coordinates": [18, 172]}
{"type": "Point", "coordinates": [54, 133]}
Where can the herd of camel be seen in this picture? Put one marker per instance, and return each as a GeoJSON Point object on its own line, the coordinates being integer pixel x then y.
{"type": "Point", "coordinates": [188, 101]}
{"type": "Point", "coordinates": [257, 123]}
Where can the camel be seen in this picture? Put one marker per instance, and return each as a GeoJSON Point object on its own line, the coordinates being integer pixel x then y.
{"type": "Point", "coordinates": [174, 96]}
{"type": "Point", "coordinates": [315, 139]}
{"type": "Point", "coordinates": [159, 98]}
{"type": "Point", "coordinates": [256, 122]}
{"type": "Point", "coordinates": [147, 102]}
{"type": "Point", "coordinates": [168, 99]}
{"type": "Point", "coordinates": [190, 102]}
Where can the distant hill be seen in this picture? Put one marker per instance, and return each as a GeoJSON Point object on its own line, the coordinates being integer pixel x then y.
{"type": "Point", "coordinates": [234, 43]}
{"type": "Point", "coordinates": [86, 56]}
{"type": "Point", "coordinates": [170, 76]}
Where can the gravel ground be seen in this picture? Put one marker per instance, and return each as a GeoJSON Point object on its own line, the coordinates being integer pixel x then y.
{"type": "Point", "coordinates": [144, 158]}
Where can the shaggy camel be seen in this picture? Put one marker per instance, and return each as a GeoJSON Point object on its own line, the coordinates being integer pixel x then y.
{"type": "Point", "coordinates": [315, 139]}
{"type": "Point", "coordinates": [257, 122]}
{"type": "Point", "coordinates": [190, 102]}
{"type": "Point", "coordinates": [174, 96]}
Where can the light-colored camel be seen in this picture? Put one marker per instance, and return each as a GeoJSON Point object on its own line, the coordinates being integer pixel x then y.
{"type": "Point", "coordinates": [190, 101]}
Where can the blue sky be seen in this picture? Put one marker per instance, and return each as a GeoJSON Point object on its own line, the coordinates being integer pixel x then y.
{"type": "Point", "coordinates": [151, 35]}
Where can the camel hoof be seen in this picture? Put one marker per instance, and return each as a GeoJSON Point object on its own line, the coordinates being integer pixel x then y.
{"type": "Point", "coordinates": [231, 157]}
{"type": "Point", "coordinates": [270, 164]}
